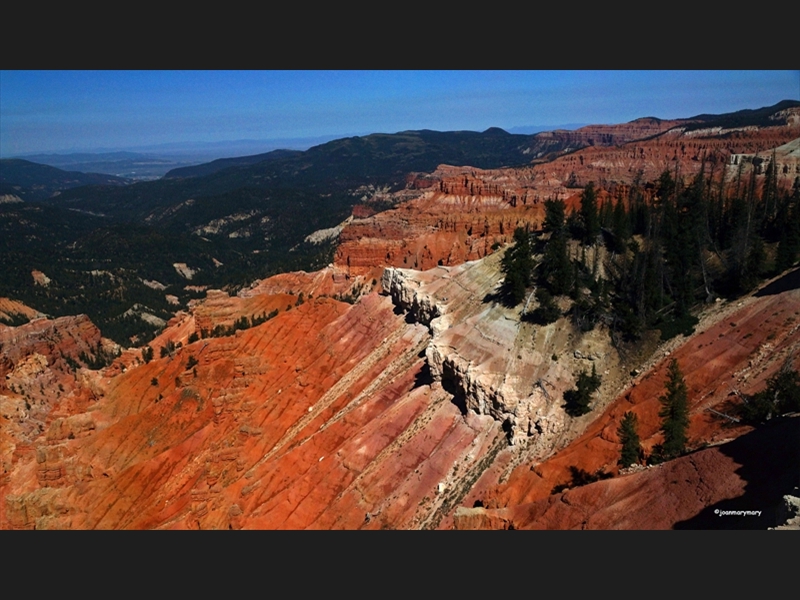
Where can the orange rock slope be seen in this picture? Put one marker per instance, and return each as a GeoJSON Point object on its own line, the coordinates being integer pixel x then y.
{"type": "Point", "coordinates": [320, 418]}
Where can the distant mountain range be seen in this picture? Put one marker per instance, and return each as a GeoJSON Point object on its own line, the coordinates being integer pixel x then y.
{"type": "Point", "coordinates": [32, 181]}
{"type": "Point", "coordinates": [133, 166]}
{"type": "Point", "coordinates": [146, 163]}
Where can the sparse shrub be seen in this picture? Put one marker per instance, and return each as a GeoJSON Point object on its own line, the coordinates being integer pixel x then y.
{"type": "Point", "coordinates": [779, 397]}
{"type": "Point", "coordinates": [168, 349]}
{"type": "Point", "coordinates": [579, 477]}
{"type": "Point", "coordinates": [577, 399]}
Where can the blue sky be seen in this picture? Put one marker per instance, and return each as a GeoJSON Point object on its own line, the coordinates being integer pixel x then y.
{"type": "Point", "coordinates": [50, 111]}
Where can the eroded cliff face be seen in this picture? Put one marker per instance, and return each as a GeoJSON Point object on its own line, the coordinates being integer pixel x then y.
{"type": "Point", "coordinates": [401, 410]}
{"type": "Point", "coordinates": [40, 385]}
{"type": "Point", "coordinates": [380, 413]}
{"type": "Point", "coordinates": [35, 365]}
{"type": "Point", "coordinates": [492, 362]}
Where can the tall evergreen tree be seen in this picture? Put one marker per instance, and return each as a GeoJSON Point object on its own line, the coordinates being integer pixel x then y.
{"type": "Point", "coordinates": [666, 186]}
{"type": "Point", "coordinates": [629, 437]}
{"type": "Point", "coordinates": [589, 214]}
{"type": "Point", "coordinates": [769, 191]}
{"type": "Point", "coordinates": [556, 270]}
{"type": "Point", "coordinates": [554, 215]}
{"type": "Point", "coordinates": [684, 230]}
{"type": "Point", "coordinates": [789, 224]}
{"type": "Point", "coordinates": [517, 265]}
{"type": "Point", "coordinates": [675, 413]}
{"type": "Point", "coordinates": [620, 226]}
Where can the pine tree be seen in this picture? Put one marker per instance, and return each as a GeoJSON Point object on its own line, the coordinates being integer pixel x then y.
{"type": "Point", "coordinates": [591, 220]}
{"type": "Point", "coordinates": [769, 191]}
{"type": "Point", "coordinates": [620, 226]}
{"type": "Point", "coordinates": [554, 215]}
{"type": "Point", "coordinates": [675, 413]}
{"type": "Point", "coordinates": [517, 265]}
{"type": "Point", "coordinates": [789, 226]}
{"type": "Point", "coordinates": [629, 437]}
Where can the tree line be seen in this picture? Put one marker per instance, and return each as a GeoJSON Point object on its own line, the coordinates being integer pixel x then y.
{"type": "Point", "coordinates": [662, 256]}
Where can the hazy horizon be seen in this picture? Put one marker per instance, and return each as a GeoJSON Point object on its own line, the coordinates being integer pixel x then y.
{"type": "Point", "coordinates": [57, 112]}
{"type": "Point", "coordinates": [210, 148]}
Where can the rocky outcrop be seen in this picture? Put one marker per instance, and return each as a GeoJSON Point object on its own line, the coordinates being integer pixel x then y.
{"type": "Point", "coordinates": [38, 383]}
{"type": "Point", "coordinates": [40, 278]}
{"type": "Point", "coordinates": [789, 512]}
{"type": "Point", "coordinates": [439, 228]}
{"type": "Point", "coordinates": [492, 362]}
{"type": "Point", "coordinates": [407, 295]}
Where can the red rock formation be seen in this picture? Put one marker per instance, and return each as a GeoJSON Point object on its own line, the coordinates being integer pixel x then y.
{"type": "Point", "coordinates": [39, 386]}
{"type": "Point", "coordinates": [466, 213]}
{"type": "Point", "coordinates": [313, 419]}
{"type": "Point", "coordinates": [11, 309]}
{"type": "Point", "coordinates": [549, 144]}
{"type": "Point", "coordinates": [440, 228]}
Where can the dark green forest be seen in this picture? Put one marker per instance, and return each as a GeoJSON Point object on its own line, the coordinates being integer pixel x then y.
{"type": "Point", "coordinates": [662, 258]}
